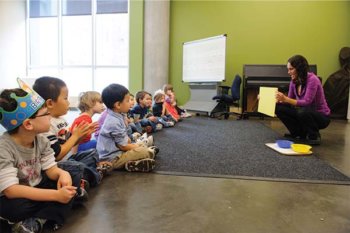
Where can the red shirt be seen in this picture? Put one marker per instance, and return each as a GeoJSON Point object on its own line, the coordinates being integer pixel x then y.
{"type": "Point", "coordinates": [172, 110]}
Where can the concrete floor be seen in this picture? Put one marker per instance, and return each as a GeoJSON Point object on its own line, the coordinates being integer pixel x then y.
{"type": "Point", "coordinates": [154, 203]}
{"type": "Point", "coordinates": [150, 203]}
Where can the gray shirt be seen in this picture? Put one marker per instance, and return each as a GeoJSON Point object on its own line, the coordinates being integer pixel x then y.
{"type": "Point", "coordinates": [112, 133]}
{"type": "Point", "coordinates": [22, 165]}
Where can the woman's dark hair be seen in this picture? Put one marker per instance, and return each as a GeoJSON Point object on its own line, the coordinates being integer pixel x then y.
{"type": "Point", "coordinates": [302, 67]}
{"type": "Point", "coordinates": [113, 93]}
{"type": "Point", "coordinates": [49, 87]}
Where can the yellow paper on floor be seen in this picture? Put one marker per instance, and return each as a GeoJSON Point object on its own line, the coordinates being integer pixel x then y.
{"type": "Point", "coordinates": [267, 100]}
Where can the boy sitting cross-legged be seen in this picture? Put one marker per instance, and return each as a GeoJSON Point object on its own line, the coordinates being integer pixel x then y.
{"type": "Point", "coordinates": [113, 143]}
{"type": "Point", "coordinates": [143, 110]}
{"type": "Point", "coordinates": [55, 93]}
{"type": "Point", "coordinates": [33, 190]}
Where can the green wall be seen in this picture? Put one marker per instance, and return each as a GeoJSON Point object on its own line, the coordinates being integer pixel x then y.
{"type": "Point", "coordinates": [136, 46]}
{"type": "Point", "coordinates": [260, 32]}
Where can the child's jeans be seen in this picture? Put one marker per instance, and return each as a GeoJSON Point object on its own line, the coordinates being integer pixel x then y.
{"type": "Point", "coordinates": [89, 160]}
{"type": "Point", "coordinates": [147, 122]}
{"type": "Point", "coordinates": [132, 128]}
{"type": "Point", "coordinates": [136, 127]}
{"type": "Point", "coordinates": [164, 122]}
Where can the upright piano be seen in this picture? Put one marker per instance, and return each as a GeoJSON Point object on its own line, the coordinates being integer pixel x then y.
{"type": "Point", "coordinates": [256, 76]}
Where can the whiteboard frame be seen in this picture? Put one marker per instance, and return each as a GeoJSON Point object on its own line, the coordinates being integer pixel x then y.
{"type": "Point", "coordinates": [206, 59]}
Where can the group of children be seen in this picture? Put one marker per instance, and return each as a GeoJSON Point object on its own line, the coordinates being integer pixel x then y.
{"type": "Point", "coordinates": [47, 165]}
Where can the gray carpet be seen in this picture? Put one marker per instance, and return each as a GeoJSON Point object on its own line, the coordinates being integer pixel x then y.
{"type": "Point", "coordinates": [202, 146]}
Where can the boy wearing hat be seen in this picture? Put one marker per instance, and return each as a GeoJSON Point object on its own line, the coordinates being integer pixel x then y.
{"type": "Point", "coordinates": [33, 190]}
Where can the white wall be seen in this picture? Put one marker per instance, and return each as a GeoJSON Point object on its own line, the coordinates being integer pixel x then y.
{"type": "Point", "coordinates": [156, 44]}
{"type": "Point", "coordinates": [12, 42]}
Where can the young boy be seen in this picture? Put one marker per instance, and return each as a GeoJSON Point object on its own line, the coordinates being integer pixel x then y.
{"type": "Point", "coordinates": [113, 143]}
{"type": "Point", "coordinates": [134, 128]}
{"type": "Point", "coordinates": [142, 109]}
{"type": "Point", "coordinates": [33, 190]}
{"type": "Point", "coordinates": [55, 93]}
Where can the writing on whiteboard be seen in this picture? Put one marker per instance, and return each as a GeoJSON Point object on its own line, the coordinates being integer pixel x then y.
{"type": "Point", "coordinates": [204, 60]}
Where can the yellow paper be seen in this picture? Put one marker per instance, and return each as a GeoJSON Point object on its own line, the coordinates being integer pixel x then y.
{"type": "Point", "coordinates": [267, 100]}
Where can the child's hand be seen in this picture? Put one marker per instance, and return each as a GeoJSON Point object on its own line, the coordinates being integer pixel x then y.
{"type": "Point", "coordinates": [82, 129]}
{"type": "Point", "coordinates": [64, 180]}
{"type": "Point", "coordinates": [65, 194]}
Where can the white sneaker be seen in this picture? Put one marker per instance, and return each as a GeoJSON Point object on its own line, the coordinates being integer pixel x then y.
{"type": "Point", "coordinates": [150, 141]}
{"type": "Point", "coordinates": [146, 141]}
{"type": "Point", "coordinates": [136, 135]}
{"type": "Point", "coordinates": [154, 150]}
{"type": "Point", "coordinates": [186, 114]}
{"type": "Point", "coordinates": [143, 137]}
{"type": "Point", "coordinates": [159, 126]}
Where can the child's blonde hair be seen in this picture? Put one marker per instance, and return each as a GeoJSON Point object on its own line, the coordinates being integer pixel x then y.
{"type": "Point", "coordinates": [88, 99]}
{"type": "Point", "coordinates": [158, 95]}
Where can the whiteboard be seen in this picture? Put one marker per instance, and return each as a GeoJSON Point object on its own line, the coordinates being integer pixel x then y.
{"type": "Point", "coordinates": [204, 60]}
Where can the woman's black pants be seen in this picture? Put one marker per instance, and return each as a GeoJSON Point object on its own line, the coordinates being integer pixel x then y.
{"type": "Point", "coordinates": [302, 122]}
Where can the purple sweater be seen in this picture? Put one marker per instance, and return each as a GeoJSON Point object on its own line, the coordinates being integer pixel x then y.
{"type": "Point", "coordinates": [312, 95]}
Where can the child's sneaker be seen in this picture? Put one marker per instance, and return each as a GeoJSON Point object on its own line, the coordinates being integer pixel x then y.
{"type": "Point", "coordinates": [159, 126]}
{"type": "Point", "coordinates": [104, 168]}
{"type": "Point", "coordinates": [185, 114]}
{"type": "Point", "coordinates": [143, 137]}
{"type": "Point", "coordinates": [170, 123]}
{"type": "Point", "coordinates": [56, 227]}
{"type": "Point", "coordinates": [29, 225]}
{"type": "Point", "coordinates": [146, 141]}
{"type": "Point", "coordinates": [150, 141]}
{"type": "Point", "coordinates": [155, 151]}
{"type": "Point", "coordinates": [84, 184]}
{"type": "Point", "coordinates": [143, 165]}
{"type": "Point", "coordinates": [82, 195]}
{"type": "Point", "coordinates": [148, 129]}
{"type": "Point", "coordinates": [136, 135]}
